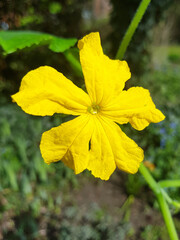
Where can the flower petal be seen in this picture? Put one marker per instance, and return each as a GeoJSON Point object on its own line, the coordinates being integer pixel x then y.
{"type": "Point", "coordinates": [127, 153]}
{"type": "Point", "coordinates": [69, 142]}
{"type": "Point", "coordinates": [135, 106]}
{"type": "Point", "coordinates": [45, 91]}
{"type": "Point", "coordinates": [101, 161]}
{"type": "Point", "coordinates": [104, 78]}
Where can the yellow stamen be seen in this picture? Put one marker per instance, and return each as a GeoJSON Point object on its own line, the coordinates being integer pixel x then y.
{"type": "Point", "coordinates": [93, 109]}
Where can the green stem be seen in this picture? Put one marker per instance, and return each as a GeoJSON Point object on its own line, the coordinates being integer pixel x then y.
{"type": "Point", "coordinates": [170, 200]}
{"type": "Point", "coordinates": [169, 183]}
{"type": "Point", "coordinates": [162, 202]}
{"type": "Point", "coordinates": [74, 62]}
{"type": "Point", "coordinates": [132, 27]}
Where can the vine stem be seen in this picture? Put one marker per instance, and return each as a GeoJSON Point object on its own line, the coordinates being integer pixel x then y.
{"type": "Point", "coordinates": [161, 200]}
{"type": "Point", "coordinates": [132, 27]}
{"type": "Point", "coordinates": [169, 183]}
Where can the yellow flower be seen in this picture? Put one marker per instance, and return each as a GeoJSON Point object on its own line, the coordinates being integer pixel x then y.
{"type": "Point", "coordinates": [92, 140]}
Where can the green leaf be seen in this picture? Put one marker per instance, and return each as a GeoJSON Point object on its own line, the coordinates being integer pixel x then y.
{"type": "Point", "coordinates": [11, 41]}
{"type": "Point", "coordinates": [61, 44]}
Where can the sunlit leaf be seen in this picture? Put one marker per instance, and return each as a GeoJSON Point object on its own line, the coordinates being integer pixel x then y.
{"type": "Point", "coordinates": [12, 41]}
{"type": "Point", "coordinates": [58, 44]}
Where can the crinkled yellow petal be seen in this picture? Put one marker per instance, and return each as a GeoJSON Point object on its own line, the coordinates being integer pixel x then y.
{"type": "Point", "coordinates": [45, 91]}
{"type": "Point", "coordinates": [104, 78]}
{"type": "Point", "coordinates": [127, 153]}
{"type": "Point", "coordinates": [69, 142]}
{"type": "Point", "coordinates": [101, 161]}
{"type": "Point", "coordinates": [135, 106]}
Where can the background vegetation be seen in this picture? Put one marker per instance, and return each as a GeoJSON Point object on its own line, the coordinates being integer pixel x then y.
{"type": "Point", "coordinates": [50, 202]}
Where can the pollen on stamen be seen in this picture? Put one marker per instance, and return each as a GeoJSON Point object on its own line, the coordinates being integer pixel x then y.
{"type": "Point", "coordinates": [93, 109]}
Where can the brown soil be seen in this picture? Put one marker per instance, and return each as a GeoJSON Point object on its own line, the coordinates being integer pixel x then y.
{"type": "Point", "coordinates": [111, 196]}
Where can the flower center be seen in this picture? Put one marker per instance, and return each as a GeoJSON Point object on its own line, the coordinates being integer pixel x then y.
{"type": "Point", "coordinates": [93, 109]}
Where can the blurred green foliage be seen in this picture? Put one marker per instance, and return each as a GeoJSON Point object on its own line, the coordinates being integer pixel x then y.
{"type": "Point", "coordinates": [174, 54]}
{"type": "Point", "coordinates": [139, 52]}
{"type": "Point", "coordinates": [154, 233]}
{"type": "Point", "coordinates": [55, 7]}
{"type": "Point", "coordinates": [21, 161]}
{"type": "Point", "coordinates": [95, 224]}
{"type": "Point", "coordinates": [27, 184]}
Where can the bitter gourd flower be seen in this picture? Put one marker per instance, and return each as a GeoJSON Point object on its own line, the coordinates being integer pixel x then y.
{"type": "Point", "coordinates": [92, 140]}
